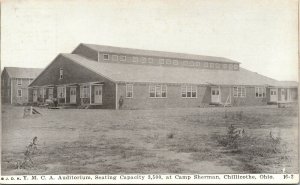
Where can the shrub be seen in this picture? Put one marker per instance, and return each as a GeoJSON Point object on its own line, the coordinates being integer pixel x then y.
{"type": "Point", "coordinates": [170, 136]}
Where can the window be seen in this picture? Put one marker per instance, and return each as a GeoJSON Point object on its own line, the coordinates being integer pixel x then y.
{"type": "Point", "coordinates": [175, 62]}
{"type": "Point", "coordinates": [168, 61]}
{"type": "Point", "coordinates": [239, 92]}
{"type": "Point", "coordinates": [19, 93]}
{"type": "Point", "coordinates": [191, 63]}
{"type": "Point", "coordinates": [225, 66]}
{"type": "Point", "coordinates": [260, 92]}
{"type": "Point", "coordinates": [61, 73]}
{"type": "Point", "coordinates": [197, 63]}
{"type": "Point", "coordinates": [211, 65]}
{"type": "Point", "coordinates": [189, 91]}
{"type": "Point", "coordinates": [206, 64]}
{"type": "Point", "coordinates": [157, 91]}
{"type": "Point", "coordinates": [84, 91]}
{"type": "Point", "coordinates": [236, 66]}
{"type": "Point", "coordinates": [185, 62]}
{"type": "Point", "coordinates": [143, 60]}
{"type": "Point", "coordinates": [115, 57]}
{"type": "Point", "coordinates": [129, 90]}
{"type": "Point", "coordinates": [161, 61]}
{"type": "Point", "coordinates": [61, 92]}
{"type": "Point", "coordinates": [150, 60]}
{"type": "Point", "coordinates": [29, 81]}
{"type": "Point", "coordinates": [122, 58]}
{"type": "Point", "coordinates": [135, 59]}
{"type": "Point", "coordinates": [217, 66]}
{"type": "Point", "coordinates": [230, 66]}
{"type": "Point", "coordinates": [273, 92]}
{"type": "Point", "coordinates": [19, 81]}
{"type": "Point", "coordinates": [105, 56]}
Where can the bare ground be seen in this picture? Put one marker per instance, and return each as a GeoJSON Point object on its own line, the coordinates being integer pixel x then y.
{"type": "Point", "coordinates": [80, 141]}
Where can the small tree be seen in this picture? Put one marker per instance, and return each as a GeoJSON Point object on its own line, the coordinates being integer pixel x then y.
{"type": "Point", "coordinates": [30, 151]}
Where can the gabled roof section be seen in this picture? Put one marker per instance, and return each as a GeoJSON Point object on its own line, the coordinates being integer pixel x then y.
{"type": "Point", "coordinates": [17, 72]}
{"type": "Point", "coordinates": [140, 52]}
{"type": "Point", "coordinates": [159, 74]}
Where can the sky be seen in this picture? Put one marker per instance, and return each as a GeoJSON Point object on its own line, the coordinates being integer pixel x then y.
{"type": "Point", "coordinates": [261, 34]}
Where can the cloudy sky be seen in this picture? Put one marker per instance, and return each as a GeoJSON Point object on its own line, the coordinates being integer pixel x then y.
{"type": "Point", "coordinates": [261, 34]}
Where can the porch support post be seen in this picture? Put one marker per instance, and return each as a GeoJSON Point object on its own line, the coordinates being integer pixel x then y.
{"type": "Point", "coordinates": [117, 107]}
{"type": "Point", "coordinates": [11, 91]}
{"type": "Point", "coordinates": [65, 94]}
{"type": "Point", "coordinates": [90, 93]}
{"type": "Point", "coordinates": [220, 100]}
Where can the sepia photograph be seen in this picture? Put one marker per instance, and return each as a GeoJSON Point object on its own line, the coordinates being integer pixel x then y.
{"type": "Point", "coordinates": [138, 91]}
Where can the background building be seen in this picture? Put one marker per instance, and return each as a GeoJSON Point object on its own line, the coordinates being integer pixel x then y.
{"type": "Point", "coordinates": [100, 76]}
{"type": "Point", "coordinates": [14, 84]}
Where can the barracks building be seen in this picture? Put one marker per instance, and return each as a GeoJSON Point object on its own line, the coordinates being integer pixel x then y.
{"type": "Point", "coordinates": [99, 76]}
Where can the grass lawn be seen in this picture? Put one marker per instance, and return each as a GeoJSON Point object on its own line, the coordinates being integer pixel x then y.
{"type": "Point", "coordinates": [191, 140]}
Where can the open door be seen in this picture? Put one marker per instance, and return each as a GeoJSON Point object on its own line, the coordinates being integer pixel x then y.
{"type": "Point", "coordinates": [72, 95]}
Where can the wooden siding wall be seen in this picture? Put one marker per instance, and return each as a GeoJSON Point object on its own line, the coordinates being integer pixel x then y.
{"type": "Point", "coordinates": [141, 99]}
{"type": "Point", "coordinates": [74, 73]}
{"type": "Point", "coordinates": [86, 52]}
{"type": "Point", "coordinates": [5, 87]}
{"type": "Point", "coordinates": [23, 87]}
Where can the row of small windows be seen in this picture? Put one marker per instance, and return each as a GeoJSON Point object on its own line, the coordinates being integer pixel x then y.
{"type": "Point", "coordinates": [145, 60]}
{"type": "Point", "coordinates": [189, 91]}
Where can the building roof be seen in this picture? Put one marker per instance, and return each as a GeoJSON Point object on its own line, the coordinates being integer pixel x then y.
{"type": "Point", "coordinates": [17, 72]}
{"type": "Point", "coordinates": [130, 51]}
{"type": "Point", "coordinates": [159, 74]}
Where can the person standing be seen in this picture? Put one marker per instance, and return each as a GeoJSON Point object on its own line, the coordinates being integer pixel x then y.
{"type": "Point", "coordinates": [121, 102]}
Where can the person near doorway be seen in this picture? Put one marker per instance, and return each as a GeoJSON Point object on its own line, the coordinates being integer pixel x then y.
{"type": "Point", "coordinates": [55, 101]}
{"type": "Point", "coordinates": [121, 101]}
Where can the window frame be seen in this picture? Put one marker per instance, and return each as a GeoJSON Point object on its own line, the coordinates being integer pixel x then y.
{"type": "Point", "coordinates": [168, 61]}
{"type": "Point", "coordinates": [260, 91]}
{"type": "Point", "coordinates": [206, 65]}
{"type": "Point", "coordinates": [61, 73]}
{"type": "Point", "coordinates": [175, 62]}
{"type": "Point", "coordinates": [240, 92]}
{"type": "Point", "coordinates": [19, 90]}
{"type": "Point", "coordinates": [235, 67]}
{"type": "Point", "coordinates": [161, 61]}
{"type": "Point", "coordinates": [189, 89]}
{"type": "Point", "coordinates": [127, 91]}
{"type": "Point", "coordinates": [115, 58]}
{"type": "Point", "coordinates": [135, 59]}
{"type": "Point", "coordinates": [19, 82]}
{"type": "Point", "coordinates": [123, 58]}
{"type": "Point", "coordinates": [163, 89]}
{"type": "Point", "coordinates": [107, 56]}
{"type": "Point", "coordinates": [191, 63]}
{"type": "Point", "coordinates": [150, 60]}
{"type": "Point", "coordinates": [143, 60]}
